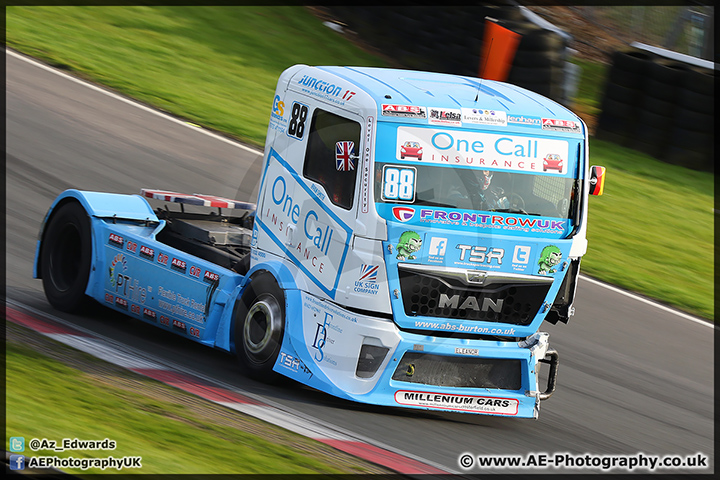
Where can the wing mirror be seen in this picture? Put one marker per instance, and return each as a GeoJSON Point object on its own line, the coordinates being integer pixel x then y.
{"type": "Point", "coordinates": [597, 180]}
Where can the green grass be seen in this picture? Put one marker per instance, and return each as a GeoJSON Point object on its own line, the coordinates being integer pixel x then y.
{"type": "Point", "coordinates": [47, 399]}
{"type": "Point", "coordinates": [216, 66]}
{"type": "Point", "coordinates": [652, 232]}
{"type": "Point", "coordinates": [590, 88]}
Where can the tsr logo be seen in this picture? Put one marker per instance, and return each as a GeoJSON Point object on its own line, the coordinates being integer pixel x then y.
{"type": "Point", "coordinates": [437, 246]}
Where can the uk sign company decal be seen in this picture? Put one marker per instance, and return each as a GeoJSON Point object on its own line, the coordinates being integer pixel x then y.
{"type": "Point", "coordinates": [479, 149]}
{"type": "Point", "coordinates": [296, 220]}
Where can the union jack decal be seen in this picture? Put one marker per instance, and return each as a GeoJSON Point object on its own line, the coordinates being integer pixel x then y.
{"type": "Point", "coordinates": [368, 273]}
{"type": "Point", "coordinates": [344, 156]}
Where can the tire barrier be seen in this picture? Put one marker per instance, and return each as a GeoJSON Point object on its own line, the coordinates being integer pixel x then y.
{"type": "Point", "coordinates": [436, 38]}
{"type": "Point", "coordinates": [662, 107]}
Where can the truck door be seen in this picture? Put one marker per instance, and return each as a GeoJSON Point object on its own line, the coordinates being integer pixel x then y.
{"type": "Point", "coordinates": [310, 187]}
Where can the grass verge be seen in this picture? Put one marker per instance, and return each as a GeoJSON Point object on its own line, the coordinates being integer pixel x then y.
{"type": "Point", "coordinates": [216, 66]}
{"type": "Point", "coordinates": [652, 232]}
{"type": "Point", "coordinates": [56, 392]}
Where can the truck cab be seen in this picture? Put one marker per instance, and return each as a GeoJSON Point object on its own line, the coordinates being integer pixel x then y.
{"type": "Point", "coordinates": [429, 223]}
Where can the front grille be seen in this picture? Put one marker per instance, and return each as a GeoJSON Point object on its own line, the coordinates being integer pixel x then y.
{"type": "Point", "coordinates": [438, 294]}
{"type": "Point", "coordinates": [461, 372]}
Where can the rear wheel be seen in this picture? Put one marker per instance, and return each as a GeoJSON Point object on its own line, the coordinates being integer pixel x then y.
{"type": "Point", "coordinates": [259, 327]}
{"type": "Point", "coordinates": [65, 258]}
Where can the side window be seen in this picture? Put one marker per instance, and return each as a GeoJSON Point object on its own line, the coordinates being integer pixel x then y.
{"type": "Point", "coordinates": [332, 156]}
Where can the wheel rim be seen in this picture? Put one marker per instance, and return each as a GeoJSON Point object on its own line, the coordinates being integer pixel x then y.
{"type": "Point", "coordinates": [65, 257]}
{"type": "Point", "coordinates": [261, 328]}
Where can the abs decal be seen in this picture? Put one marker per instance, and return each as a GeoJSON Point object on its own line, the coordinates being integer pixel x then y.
{"type": "Point", "coordinates": [121, 303]}
{"type": "Point", "coordinates": [213, 280]}
{"type": "Point", "coordinates": [116, 240]}
{"type": "Point", "coordinates": [179, 325]}
{"type": "Point", "coordinates": [147, 253]}
{"type": "Point", "coordinates": [178, 265]}
{"type": "Point", "coordinates": [407, 111]}
{"type": "Point", "coordinates": [149, 314]}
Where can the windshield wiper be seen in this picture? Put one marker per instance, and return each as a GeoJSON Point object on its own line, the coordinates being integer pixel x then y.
{"type": "Point", "coordinates": [515, 210]}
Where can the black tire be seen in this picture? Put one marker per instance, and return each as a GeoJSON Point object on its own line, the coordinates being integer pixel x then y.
{"type": "Point", "coordinates": [523, 76]}
{"type": "Point", "coordinates": [697, 102]}
{"type": "Point", "coordinates": [661, 90]}
{"type": "Point", "coordinates": [259, 323]}
{"type": "Point", "coordinates": [538, 59]}
{"type": "Point", "coordinates": [695, 121]}
{"type": "Point", "coordinates": [634, 61]}
{"type": "Point", "coordinates": [628, 96]}
{"type": "Point", "coordinates": [626, 79]}
{"type": "Point", "coordinates": [65, 257]}
{"type": "Point", "coordinates": [658, 106]}
{"type": "Point", "coordinates": [699, 82]}
{"type": "Point", "coordinates": [661, 122]}
{"type": "Point", "coordinates": [671, 73]}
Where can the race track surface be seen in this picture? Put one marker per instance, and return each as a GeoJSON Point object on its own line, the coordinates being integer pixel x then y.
{"type": "Point", "coordinates": [633, 378]}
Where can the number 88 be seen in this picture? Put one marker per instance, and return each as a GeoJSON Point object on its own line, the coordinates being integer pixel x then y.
{"type": "Point", "coordinates": [399, 184]}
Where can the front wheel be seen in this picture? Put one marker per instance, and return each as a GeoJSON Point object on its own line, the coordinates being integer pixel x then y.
{"type": "Point", "coordinates": [259, 321]}
{"type": "Point", "coordinates": [65, 258]}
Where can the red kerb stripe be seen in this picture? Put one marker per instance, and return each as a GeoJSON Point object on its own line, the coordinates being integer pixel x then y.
{"type": "Point", "coordinates": [195, 386]}
{"type": "Point", "coordinates": [382, 457]}
{"type": "Point", "coordinates": [38, 325]}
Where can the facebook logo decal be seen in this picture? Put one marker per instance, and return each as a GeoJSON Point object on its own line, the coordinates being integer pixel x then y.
{"type": "Point", "coordinates": [437, 246]}
{"type": "Point", "coordinates": [17, 462]}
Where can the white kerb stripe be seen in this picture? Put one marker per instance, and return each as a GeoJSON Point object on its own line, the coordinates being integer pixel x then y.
{"type": "Point", "coordinates": [104, 351]}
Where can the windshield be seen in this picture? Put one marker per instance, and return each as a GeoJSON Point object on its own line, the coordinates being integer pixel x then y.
{"type": "Point", "coordinates": [475, 189]}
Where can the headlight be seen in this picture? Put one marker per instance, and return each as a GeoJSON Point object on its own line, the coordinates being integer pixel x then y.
{"type": "Point", "coordinates": [420, 151]}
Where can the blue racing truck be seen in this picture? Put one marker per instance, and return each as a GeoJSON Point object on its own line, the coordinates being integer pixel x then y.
{"type": "Point", "coordinates": [411, 233]}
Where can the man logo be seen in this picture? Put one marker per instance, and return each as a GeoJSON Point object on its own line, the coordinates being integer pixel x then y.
{"type": "Point", "coordinates": [437, 246]}
{"type": "Point", "coordinates": [403, 213]}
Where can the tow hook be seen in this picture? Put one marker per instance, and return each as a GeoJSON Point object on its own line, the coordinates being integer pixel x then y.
{"type": "Point", "coordinates": [553, 361]}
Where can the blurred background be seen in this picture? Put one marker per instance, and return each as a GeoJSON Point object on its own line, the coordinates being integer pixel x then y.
{"type": "Point", "coordinates": [651, 66]}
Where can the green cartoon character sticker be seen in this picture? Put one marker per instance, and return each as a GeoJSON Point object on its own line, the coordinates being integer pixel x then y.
{"type": "Point", "coordinates": [550, 257]}
{"type": "Point", "coordinates": [409, 243]}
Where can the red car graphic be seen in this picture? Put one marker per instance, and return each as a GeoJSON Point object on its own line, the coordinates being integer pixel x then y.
{"type": "Point", "coordinates": [552, 161]}
{"type": "Point", "coordinates": [411, 149]}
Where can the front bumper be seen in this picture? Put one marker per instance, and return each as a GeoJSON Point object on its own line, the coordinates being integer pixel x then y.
{"type": "Point", "coordinates": [369, 360]}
